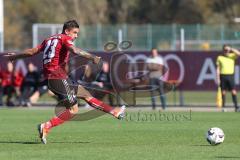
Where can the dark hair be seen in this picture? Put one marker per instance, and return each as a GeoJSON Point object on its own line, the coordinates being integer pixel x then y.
{"type": "Point", "coordinates": [225, 45]}
{"type": "Point", "coordinates": [153, 49]}
{"type": "Point", "coordinates": [69, 25]}
{"type": "Point", "coordinates": [30, 63]}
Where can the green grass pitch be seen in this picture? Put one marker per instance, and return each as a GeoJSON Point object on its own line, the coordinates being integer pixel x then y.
{"type": "Point", "coordinates": [141, 136]}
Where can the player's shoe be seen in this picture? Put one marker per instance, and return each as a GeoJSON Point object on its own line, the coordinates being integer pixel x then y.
{"type": "Point", "coordinates": [119, 113]}
{"type": "Point", "coordinates": [43, 131]}
{"type": "Point", "coordinates": [237, 109]}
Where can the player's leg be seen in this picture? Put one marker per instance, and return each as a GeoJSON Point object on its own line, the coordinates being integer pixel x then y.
{"type": "Point", "coordinates": [234, 99]}
{"type": "Point", "coordinates": [60, 118]}
{"type": "Point", "coordinates": [63, 114]}
{"type": "Point", "coordinates": [66, 108]}
{"type": "Point", "coordinates": [25, 96]}
{"type": "Point", "coordinates": [9, 91]}
{"type": "Point", "coordinates": [223, 98]}
{"type": "Point", "coordinates": [1, 95]}
{"type": "Point", "coordinates": [233, 91]}
{"type": "Point", "coordinates": [162, 94]}
{"type": "Point", "coordinates": [223, 85]}
{"type": "Point", "coordinates": [41, 90]}
{"type": "Point", "coordinates": [34, 98]}
{"type": "Point", "coordinates": [85, 95]}
{"type": "Point", "coordinates": [153, 97]}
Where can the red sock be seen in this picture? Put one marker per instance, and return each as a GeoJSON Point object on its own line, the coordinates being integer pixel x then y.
{"type": "Point", "coordinates": [100, 105]}
{"type": "Point", "coordinates": [59, 119]}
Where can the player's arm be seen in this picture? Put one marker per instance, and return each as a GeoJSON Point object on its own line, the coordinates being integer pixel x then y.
{"type": "Point", "coordinates": [218, 75]}
{"type": "Point", "coordinates": [218, 71]}
{"type": "Point", "coordinates": [234, 50]}
{"type": "Point", "coordinates": [84, 54]}
{"type": "Point", "coordinates": [26, 53]}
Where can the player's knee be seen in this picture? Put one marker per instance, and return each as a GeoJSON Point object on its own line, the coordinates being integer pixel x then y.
{"type": "Point", "coordinates": [74, 109]}
{"type": "Point", "coordinates": [82, 92]}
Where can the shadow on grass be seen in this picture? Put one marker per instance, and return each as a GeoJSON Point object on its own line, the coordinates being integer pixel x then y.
{"type": "Point", "coordinates": [18, 142]}
{"type": "Point", "coordinates": [37, 142]}
{"type": "Point", "coordinates": [202, 145]}
{"type": "Point", "coordinates": [227, 157]}
{"type": "Point", "coordinates": [71, 142]}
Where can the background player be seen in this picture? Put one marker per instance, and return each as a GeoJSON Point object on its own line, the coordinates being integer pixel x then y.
{"type": "Point", "coordinates": [225, 73]}
{"type": "Point", "coordinates": [55, 57]}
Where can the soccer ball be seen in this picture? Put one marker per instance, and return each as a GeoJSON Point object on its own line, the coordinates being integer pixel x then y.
{"type": "Point", "coordinates": [215, 136]}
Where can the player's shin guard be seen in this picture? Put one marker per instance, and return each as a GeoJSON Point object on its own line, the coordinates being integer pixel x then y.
{"type": "Point", "coordinates": [63, 116]}
{"type": "Point", "coordinates": [100, 105]}
{"type": "Point", "coordinates": [116, 112]}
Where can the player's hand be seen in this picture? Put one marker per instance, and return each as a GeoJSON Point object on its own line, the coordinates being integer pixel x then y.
{"type": "Point", "coordinates": [100, 84]}
{"type": "Point", "coordinates": [96, 60]}
{"type": "Point", "coordinates": [10, 56]}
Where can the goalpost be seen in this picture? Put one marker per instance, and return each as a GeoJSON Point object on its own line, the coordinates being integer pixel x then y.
{"type": "Point", "coordinates": [1, 27]}
{"type": "Point", "coordinates": [41, 31]}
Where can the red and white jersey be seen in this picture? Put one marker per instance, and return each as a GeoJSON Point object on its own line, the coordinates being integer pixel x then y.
{"type": "Point", "coordinates": [55, 55]}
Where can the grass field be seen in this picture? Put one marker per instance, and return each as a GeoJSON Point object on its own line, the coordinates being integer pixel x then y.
{"type": "Point", "coordinates": [169, 135]}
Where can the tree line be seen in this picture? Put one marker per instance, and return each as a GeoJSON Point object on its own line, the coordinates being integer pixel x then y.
{"type": "Point", "coordinates": [19, 15]}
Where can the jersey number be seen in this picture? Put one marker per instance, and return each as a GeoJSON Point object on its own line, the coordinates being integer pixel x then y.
{"type": "Point", "coordinates": [49, 51]}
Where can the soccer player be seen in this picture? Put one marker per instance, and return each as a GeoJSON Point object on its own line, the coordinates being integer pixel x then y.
{"type": "Point", "coordinates": [55, 56]}
{"type": "Point", "coordinates": [225, 73]}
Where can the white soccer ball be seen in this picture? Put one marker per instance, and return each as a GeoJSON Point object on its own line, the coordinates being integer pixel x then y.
{"type": "Point", "coordinates": [215, 136]}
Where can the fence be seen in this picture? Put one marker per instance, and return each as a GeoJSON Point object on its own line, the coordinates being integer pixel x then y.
{"type": "Point", "coordinates": [145, 37]}
{"type": "Point", "coordinates": [192, 72]}
{"type": "Point", "coordinates": [166, 38]}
